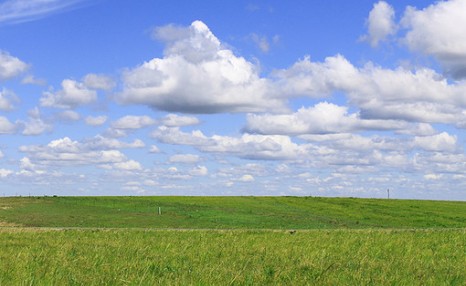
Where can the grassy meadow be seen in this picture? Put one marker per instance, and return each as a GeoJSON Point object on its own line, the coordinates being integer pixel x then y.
{"type": "Point", "coordinates": [231, 241]}
{"type": "Point", "coordinates": [232, 257]}
{"type": "Point", "coordinates": [230, 212]}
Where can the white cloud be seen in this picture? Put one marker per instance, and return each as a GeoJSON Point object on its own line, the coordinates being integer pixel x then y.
{"type": "Point", "coordinates": [437, 31]}
{"type": "Point", "coordinates": [197, 75]}
{"type": "Point", "coordinates": [173, 120]}
{"type": "Point", "coordinates": [5, 173]}
{"type": "Point", "coordinates": [246, 178]}
{"type": "Point", "coordinates": [26, 164]}
{"type": "Point", "coordinates": [30, 79]}
{"type": "Point", "coordinates": [116, 133]}
{"type": "Point", "coordinates": [175, 136]}
{"type": "Point", "coordinates": [199, 171]}
{"type": "Point", "coordinates": [184, 158]}
{"type": "Point", "coordinates": [99, 152]}
{"type": "Point", "coordinates": [258, 147]}
{"type": "Point", "coordinates": [379, 93]}
{"type": "Point", "coordinates": [317, 80]}
{"type": "Point", "coordinates": [100, 142]}
{"type": "Point", "coordinates": [129, 165]}
{"type": "Point", "coordinates": [18, 11]}
{"type": "Point", "coordinates": [154, 149]}
{"type": "Point", "coordinates": [172, 170]}
{"type": "Point", "coordinates": [442, 142]}
{"type": "Point", "coordinates": [323, 118]}
{"type": "Point", "coordinates": [262, 42]}
{"type": "Point", "coordinates": [6, 127]}
{"type": "Point", "coordinates": [133, 122]}
{"type": "Point", "coordinates": [380, 23]}
{"type": "Point", "coordinates": [35, 125]}
{"type": "Point", "coordinates": [73, 94]}
{"type": "Point", "coordinates": [69, 115]}
{"type": "Point", "coordinates": [433, 177]}
{"type": "Point", "coordinates": [7, 98]}
{"type": "Point", "coordinates": [10, 66]}
{"type": "Point", "coordinates": [96, 81]}
{"type": "Point", "coordinates": [95, 120]}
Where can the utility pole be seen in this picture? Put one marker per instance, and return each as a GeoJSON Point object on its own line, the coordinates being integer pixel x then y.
{"type": "Point", "coordinates": [388, 193]}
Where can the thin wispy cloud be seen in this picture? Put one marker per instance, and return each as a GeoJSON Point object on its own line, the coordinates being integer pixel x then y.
{"type": "Point", "coordinates": [19, 11]}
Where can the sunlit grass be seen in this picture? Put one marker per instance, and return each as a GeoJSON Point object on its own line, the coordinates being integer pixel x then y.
{"type": "Point", "coordinates": [231, 212]}
{"type": "Point", "coordinates": [231, 241]}
{"type": "Point", "coordinates": [207, 257]}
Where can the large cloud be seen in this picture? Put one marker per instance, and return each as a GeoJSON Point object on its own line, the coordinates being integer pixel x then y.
{"type": "Point", "coordinates": [419, 95]}
{"type": "Point", "coordinates": [197, 75]}
{"type": "Point", "coordinates": [438, 31]}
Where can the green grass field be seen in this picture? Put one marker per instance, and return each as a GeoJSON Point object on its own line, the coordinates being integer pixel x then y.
{"type": "Point", "coordinates": [231, 212]}
{"type": "Point", "coordinates": [231, 241]}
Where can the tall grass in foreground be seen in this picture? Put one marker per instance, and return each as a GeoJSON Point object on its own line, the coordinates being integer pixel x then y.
{"type": "Point", "coordinates": [201, 257]}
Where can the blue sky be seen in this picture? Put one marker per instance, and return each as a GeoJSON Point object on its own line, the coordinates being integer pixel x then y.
{"type": "Point", "coordinates": [321, 98]}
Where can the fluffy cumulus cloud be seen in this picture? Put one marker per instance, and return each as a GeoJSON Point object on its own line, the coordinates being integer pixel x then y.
{"type": "Point", "coordinates": [197, 75]}
{"type": "Point", "coordinates": [380, 23]}
{"type": "Point", "coordinates": [72, 94]}
{"type": "Point", "coordinates": [10, 66]}
{"type": "Point", "coordinates": [442, 142]}
{"type": "Point", "coordinates": [379, 93]}
{"type": "Point", "coordinates": [323, 118]}
{"type": "Point", "coordinates": [98, 151]}
{"type": "Point", "coordinates": [437, 31]}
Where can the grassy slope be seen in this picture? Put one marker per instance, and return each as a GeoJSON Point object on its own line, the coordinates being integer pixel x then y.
{"type": "Point", "coordinates": [231, 212]}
